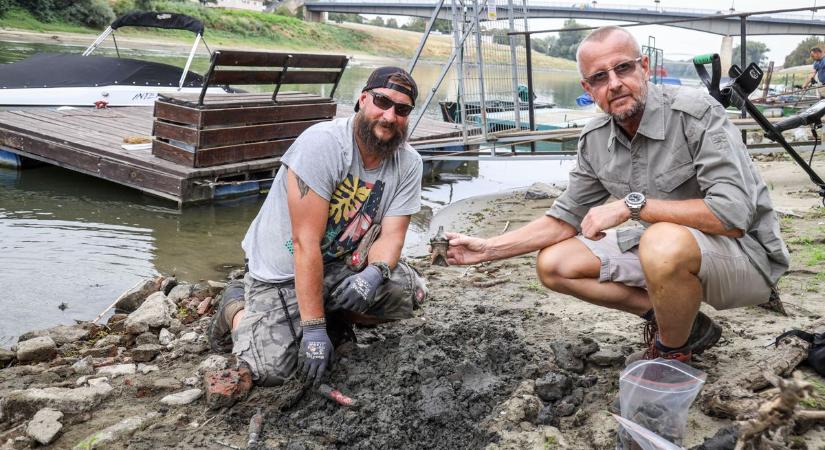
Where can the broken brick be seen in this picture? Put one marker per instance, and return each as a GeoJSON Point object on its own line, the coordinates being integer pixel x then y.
{"type": "Point", "coordinates": [225, 387]}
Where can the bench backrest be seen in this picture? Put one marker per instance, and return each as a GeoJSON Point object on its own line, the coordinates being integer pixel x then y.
{"type": "Point", "coordinates": [272, 68]}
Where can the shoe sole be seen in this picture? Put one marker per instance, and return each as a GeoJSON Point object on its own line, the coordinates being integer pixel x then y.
{"type": "Point", "coordinates": [218, 332]}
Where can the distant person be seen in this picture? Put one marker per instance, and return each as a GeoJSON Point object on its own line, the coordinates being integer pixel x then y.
{"type": "Point", "coordinates": [818, 74]}
{"type": "Point", "coordinates": [706, 230]}
{"type": "Point", "coordinates": [324, 250]}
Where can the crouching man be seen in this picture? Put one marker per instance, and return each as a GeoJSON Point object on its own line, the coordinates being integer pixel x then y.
{"type": "Point", "coordinates": [324, 250]}
{"type": "Point", "coordinates": [678, 167]}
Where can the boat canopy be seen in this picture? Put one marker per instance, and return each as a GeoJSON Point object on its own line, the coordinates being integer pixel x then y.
{"type": "Point", "coordinates": [159, 20]}
{"type": "Point", "coordinates": [48, 70]}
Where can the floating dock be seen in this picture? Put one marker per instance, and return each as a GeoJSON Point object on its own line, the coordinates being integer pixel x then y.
{"type": "Point", "coordinates": [91, 141]}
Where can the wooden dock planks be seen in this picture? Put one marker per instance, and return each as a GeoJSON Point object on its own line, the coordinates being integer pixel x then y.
{"type": "Point", "coordinates": [89, 141]}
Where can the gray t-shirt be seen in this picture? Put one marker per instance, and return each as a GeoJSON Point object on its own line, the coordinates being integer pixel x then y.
{"type": "Point", "coordinates": [326, 159]}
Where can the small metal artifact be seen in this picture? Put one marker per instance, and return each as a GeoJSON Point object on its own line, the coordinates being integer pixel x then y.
{"type": "Point", "coordinates": [439, 245]}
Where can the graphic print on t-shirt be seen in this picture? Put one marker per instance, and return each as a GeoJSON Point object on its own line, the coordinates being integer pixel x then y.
{"type": "Point", "coordinates": [352, 210]}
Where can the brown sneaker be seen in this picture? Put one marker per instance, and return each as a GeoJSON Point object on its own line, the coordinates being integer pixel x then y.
{"type": "Point", "coordinates": [683, 354]}
{"type": "Point", "coordinates": [704, 334]}
{"type": "Point", "coordinates": [220, 327]}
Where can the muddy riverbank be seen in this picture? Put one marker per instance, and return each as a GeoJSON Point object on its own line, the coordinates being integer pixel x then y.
{"type": "Point", "coordinates": [493, 360]}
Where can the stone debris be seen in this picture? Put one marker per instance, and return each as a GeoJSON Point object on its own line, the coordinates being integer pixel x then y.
{"type": "Point", "coordinates": [36, 349]}
{"type": "Point", "coordinates": [570, 355]}
{"type": "Point", "coordinates": [99, 352]}
{"type": "Point", "coordinates": [45, 426]}
{"type": "Point", "coordinates": [553, 386]}
{"type": "Point", "coordinates": [180, 292]}
{"type": "Point", "coordinates": [117, 432]}
{"type": "Point", "coordinates": [145, 352]}
{"type": "Point", "coordinates": [155, 312]}
{"type": "Point", "coordinates": [61, 334]}
{"type": "Point", "coordinates": [146, 338]}
{"type": "Point", "coordinates": [182, 398]}
{"type": "Point", "coordinates": [147, 368]}
{"type": "Point", "coordinates": [110, 340]}
{"type": "Point", "coordinates": [6, 356]}
{"type": "Point", "coordinates": [213, 363]}
{"type": "Point", "coordinates": [134, 298]}
{"type": "Point", "coordinates": [204, 306]}
{"type": "Point", "coordinates": [607, 357]}
{"type": "Point", "coordinates": [165, 337]}
{"type": "Point", "coordinates": [117, 370]}
{"type": "Point", "coordinates": [168, 284]}
{"type": "Point", "coordinates": [225, 387]}
{"type": "Point", "coordinates": [538, 191]}
{"type": "Point", "coordinates": [22, 404]}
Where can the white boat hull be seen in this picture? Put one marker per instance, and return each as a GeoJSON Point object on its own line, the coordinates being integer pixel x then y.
{"type": "Point", "coordinates": [87, 96]}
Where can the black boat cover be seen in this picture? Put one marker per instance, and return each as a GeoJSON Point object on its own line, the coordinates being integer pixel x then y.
{"type": "Point", "coordinates": [159, 20]}
{"type": "Point", "coordinates": [66, 70]}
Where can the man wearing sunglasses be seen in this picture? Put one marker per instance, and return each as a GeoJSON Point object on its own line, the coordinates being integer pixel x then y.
{"type": "Point", "coordinates": [324, 251]}
{"type": "Point", "coordinates": [668, 160]}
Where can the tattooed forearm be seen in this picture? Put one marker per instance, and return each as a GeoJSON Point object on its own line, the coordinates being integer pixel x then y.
{"type": "Point", "coordinates": [302, 187]}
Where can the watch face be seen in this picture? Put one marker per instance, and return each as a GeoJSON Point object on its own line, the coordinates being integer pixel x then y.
{"type": "Point", "coordinates": [635, 198]}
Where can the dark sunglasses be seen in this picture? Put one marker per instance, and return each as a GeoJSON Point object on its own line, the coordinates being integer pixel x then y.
{"type": "Point", "coordinates": [621, 70]}
{"type": "Point", "coordinates": [385, 103]}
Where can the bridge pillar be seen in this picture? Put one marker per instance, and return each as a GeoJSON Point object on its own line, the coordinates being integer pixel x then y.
{"type": "Point", "coordinates": [726, 53]}
{"type": "Point", "coordinates": [311, 16]}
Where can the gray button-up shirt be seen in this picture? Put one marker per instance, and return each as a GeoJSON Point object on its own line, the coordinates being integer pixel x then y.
{"type": "Point", "coordinates": [685, 148]}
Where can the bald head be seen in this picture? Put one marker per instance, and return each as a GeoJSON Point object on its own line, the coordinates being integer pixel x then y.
{"type": "Point", "coordinates": [611, 33]}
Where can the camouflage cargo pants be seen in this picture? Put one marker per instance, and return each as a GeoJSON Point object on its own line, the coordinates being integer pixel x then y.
{"type": "Point", "coordinates": [264, 340]}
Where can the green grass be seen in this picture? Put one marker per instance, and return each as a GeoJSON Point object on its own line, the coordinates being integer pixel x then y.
{"type": "Point", "coordinates": [19, 18]}
{"type": "Point", "coordinates": [817, 399]}
{"type": "Point", "coordinates": [813, 255]}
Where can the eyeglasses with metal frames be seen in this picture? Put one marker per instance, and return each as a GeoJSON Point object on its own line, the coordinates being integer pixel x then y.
{"type": "Point", "coordinates": [623, 69]}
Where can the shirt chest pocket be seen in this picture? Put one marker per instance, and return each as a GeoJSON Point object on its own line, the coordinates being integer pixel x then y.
{"type": "Point", "coordinates": [675, 176]}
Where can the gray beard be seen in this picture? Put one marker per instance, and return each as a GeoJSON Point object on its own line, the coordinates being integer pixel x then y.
{"type": "Point", "coordinates": [372, 143]}
{"type": "Point", "coordinates": [637, 109]}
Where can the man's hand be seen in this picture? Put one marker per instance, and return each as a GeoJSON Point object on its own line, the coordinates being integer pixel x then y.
{"type": "Point", "coordinates": [465, 249]}
{"type": "Point", "coordinates": [357, 292]}
{"type": "Point", "coordinates": [315, 355]}
{"type": "Point", "coordinates": [603, 217]}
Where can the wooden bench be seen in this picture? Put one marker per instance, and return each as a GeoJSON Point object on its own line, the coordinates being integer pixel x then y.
{"type": "Point", "coordinates": [212, 129]}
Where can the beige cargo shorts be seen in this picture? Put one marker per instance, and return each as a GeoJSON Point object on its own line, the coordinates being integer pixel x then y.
{"type": "Point", "coordinates": [264, 338]}
{"type": "Point", "coordinates": [729, 279]}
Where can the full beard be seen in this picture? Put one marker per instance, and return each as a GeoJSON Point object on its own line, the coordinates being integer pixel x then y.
{"type": "Point", "coordinates": [375, 145]}
{"type": "Point", "coordinates": [637, 109]}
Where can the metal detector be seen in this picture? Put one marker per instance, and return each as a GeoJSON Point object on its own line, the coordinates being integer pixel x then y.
{"type": "Point", "coordinates": [736, 93]}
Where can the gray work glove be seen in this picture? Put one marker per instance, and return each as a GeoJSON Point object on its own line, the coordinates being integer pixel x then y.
{"type": "Point", "coordinates": [357, 292]}
{"type": "Point", "coordinates": [315, 355]}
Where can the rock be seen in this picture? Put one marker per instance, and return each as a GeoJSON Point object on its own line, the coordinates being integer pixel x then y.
{"type": "Point", "coordinates": [109, 340]}
{"type": "Point", "coordinates": [225, 387]}
{"type": "Point", "coordinates": [22, 404]}
{"type": "Point", "coordinates": [191, 381]}
{"type": "Point", "coordinates": [564, 408]}
{"type": "Point", "coordinates": [117, 432]}
{"type": "Point", "coordinates": [134, 298]}
{"type": "Point", "coordinates": [165, 337]}
{"type": "Point", "coordinates": [45, 426]}
{"type": "Point", "coordinates": [147, 338]}
{"type": "Point", "coordinates": [117, 323]}
{"type": "Point", "coordinates": [188, 338]}
{"type": "Point", "coordinates": [151, 387]}
{"type": "Point", "coordinates": [117, 370]}
{"type": "Point", "coordinates": [155, 312]}
{"type": "Point", "coordinates": [99, 352]}
{"type": "Point", "coordinates": [146, 368]}
{"type": "Point", "coordinates": [146, 352]}
{"type": "Point", "coordinates": [21, 442]}
{"type": "Point", "coordinates": [607, 357]}
{"type": "Point", "coordinates": [553, 386]}
{"type": "Point", "coordinates": [168, 284]}
{"type": "Point", "coordinates": [6, 356]}
{"type": "Point", "coordinates": [539, 190]}
{"type": "Point", "coordinates": [180, 292]}
{"type": "Point", "coordinates": [546, 416]}
{"type": "Point", "coordinates": [81, 381]}
{"type": "Point", "coordinates": [601, 428]}
{"type": "Point", "coordinates": [84, 367]}
{"type": "Point", "coordinates": [61, 334]}
{"type": "Point", "coordinates": [213, 363]}
{"type": "Point", "coordinates": [569, 356]}
{"type": "Point", "coordinates": [36, 349]}
{"type": "Point", "coordinates": [182, 398]}
{"type": "Point", "coordinates": [175, 326]}
{"type": "Point", "coordinates": [97, 381]}
{"type": "Point", "coordinates": [236, 274]}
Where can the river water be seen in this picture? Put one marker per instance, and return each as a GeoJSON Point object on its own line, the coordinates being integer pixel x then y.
{"type": "Point", "coordinates": [70, 243]}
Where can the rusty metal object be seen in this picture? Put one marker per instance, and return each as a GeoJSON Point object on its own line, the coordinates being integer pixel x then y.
{"type": "Point", "coordinates": [439, 245]}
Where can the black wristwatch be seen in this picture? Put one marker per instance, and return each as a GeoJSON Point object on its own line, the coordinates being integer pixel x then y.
{"type": "Point", "coordinates": [384, 268]}
{"type": "Point", "coordinates": [635, 201]}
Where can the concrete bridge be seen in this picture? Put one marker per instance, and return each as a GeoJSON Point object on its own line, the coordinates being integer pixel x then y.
{"type": "Point", "coordinates": [784, 24]}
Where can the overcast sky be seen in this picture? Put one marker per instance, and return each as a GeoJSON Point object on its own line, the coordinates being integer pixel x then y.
{"type": "Point", "coordinates": [679, 43]}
